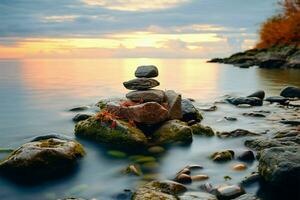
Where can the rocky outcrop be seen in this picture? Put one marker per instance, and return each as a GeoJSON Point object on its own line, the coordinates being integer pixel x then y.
{"type": "Point", "coordinates": [274, 57]}
{"type": "Point", "coordinates": [42, 158]}
{"type": "Point", "coordinates": [280, 166]}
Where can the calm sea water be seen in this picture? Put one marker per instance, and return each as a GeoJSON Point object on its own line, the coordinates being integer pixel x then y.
{"type": "Point", "coordinates": [35, 96]}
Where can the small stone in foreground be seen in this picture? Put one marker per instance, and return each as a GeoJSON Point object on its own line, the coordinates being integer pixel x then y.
{"type": "Point", "coordinates": [229, 192]}
{"type": "Point", "coordinates": [259, 94]}
{"type": "Point", "coordinates": [290, 92]}
{"type": "Point", "coordinates": [141, 84]}
{"type": "Point", "coordinates": [146, 71]}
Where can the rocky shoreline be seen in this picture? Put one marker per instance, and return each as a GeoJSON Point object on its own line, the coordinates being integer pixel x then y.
{"type": "Point", "coordinates": [274, 57]}
{"type": "Point", "coordinates": [152, 121]}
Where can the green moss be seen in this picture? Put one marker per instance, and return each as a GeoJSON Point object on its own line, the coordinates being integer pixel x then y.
{"type": "Point", "coordinates": [199, 129]}
{"type": "Point", "coordinates": [173, 131]}
{"type": "Point", "coordinates": [117, 154]}
{"type": "Point", "coordinates": [222, 156]}
{"type": "Point", "coordinates": [123, 135]}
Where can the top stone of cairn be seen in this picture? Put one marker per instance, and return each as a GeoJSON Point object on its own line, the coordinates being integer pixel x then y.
{"type": "Point", "coordinates": [146, 71]}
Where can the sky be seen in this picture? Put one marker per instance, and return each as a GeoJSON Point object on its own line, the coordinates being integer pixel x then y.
{"type": "Point", "coordinates": [32, 29]}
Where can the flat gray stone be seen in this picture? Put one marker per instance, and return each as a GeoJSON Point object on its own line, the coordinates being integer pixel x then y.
{"type": "Point", "coordinates": [146, 71]}
{"type": "Point", "coordinates": [147, 96]}
{"type": "Point", "coordinates": [141, 84]}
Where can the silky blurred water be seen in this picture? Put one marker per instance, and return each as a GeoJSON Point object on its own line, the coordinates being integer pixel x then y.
{"type": "Point", "coordinates": [35, 96]}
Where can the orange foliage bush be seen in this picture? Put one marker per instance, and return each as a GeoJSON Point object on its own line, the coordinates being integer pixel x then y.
{"type": "Point", "coordinates": [282, 29]}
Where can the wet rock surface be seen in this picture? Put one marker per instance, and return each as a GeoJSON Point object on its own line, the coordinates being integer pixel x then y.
{"type": "Point", "coordinates": [280, 166]}
{"type": "Point", "coordinates": [228, 192]}
{"type": "Point", "coordinates": [146, 71]}
{"type": "Point", "coordinates": [147, 96]}
{"type": "Point", "coordinates": [236, 133]}
{"type": "Point", "coordinates": [42, 158]}
{"type": "Point", "coordinates": [189, 111]}
{"type": "Point", "coordinates": [253, 101]}
{"type": "Point", "coordinates": [141, 84]}
{"type": "Point", "coordinates": [290, 92]}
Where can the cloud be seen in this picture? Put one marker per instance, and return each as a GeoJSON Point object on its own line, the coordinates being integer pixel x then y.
{"type": "Point", "coordinates": [62, 18]}
{"type": "Point", "coordinates": [135, 5]}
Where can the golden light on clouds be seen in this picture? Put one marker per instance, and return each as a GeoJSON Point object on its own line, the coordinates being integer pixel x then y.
{"type": "Point", "coordinates": [135, 5]}
{"type": "Point", "coordinates": [59, 18]}
{"type": "Point", "coordinates": [37, 47]}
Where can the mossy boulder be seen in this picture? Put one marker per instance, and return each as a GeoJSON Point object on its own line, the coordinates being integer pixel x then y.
{"type": "Point", "coordinates": [42, 158]}
{"type": "Point", "coordinates": [164, 190]}
{"type": "Point", "coordinates": [171, 132]}
{"type": "Point", "coordinates": [222, 156]}
{"type": "Point", "coordinates": [121, 134]}
{"type": "Point", "coordinates": [280, 166]}
{"type": "Point", "coordinates": [199, 129]}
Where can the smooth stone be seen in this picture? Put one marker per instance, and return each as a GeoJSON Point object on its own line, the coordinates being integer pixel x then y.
{"type": "Point", "coordinates": [100, 130]}
{"type": "Point", "coordinates": [291, 122]}
{"type": "Point", "coordinates": [229, 192]}
{"type": "Point", "coordinates": [236, 133]}
{"type": "Point", "coordinates": [80, 108]}
{"type": "Point", "coordinates": [189, 112]}
{"type": "Point", "coordinates": [184, 171]}
{"type": "Point", "coordinates": [259, 94]}
{"type": "Point", "coordinates": [194, 166]}
{"type": "Point", "coordinates": [117, 154]}
{"type": "Point", "coordinates": [209, 109]}
{"type": "Point", "coordinates": [183, 178]}
{"type": "Point", "coordinates": [253, 177]}
{"type": "Point", "coordinates": [133, 169]}
{"type": "Point", "coordinates": [146, 71]}
{"type": "Point", "coordinates": [166, 190]}
{"type": "Point", "coordinates": [147, 113]}
{"type": "Point", "coordinates": [156, 149]}
{"type": "Point", "coordinates": [80, 117]}
{"type": "Point", "coordinates": [290, 92]}
{"type": "Point", "coordinates": [141, 84]}
{"type": "Point", "coordinates": [222, 156]}
{"type": "Point", "coordinates": [197, 196]}
{"type": "Point", "coordinates": [244, 106]}
{"type": "Point", "coordinates": [230, 118]}
{"type": "Point", "coordinates": [253, 114]}
{"type": "Point", "coordinates": [247, 197]}
{"type": "Point", "coordinates": [199, 129]}
{"type": "Point", "coordinates": [277, 99]}
{"type": "Point", "coordinates": [239, 167]}
{"type": "Point", "coordinates": [146, 96]}
{"type": "Point", "coordinates": [247, 156]}
{"type": "Point", "coordinates": [280, 166]}
{"type": "Point", "coordinates": [173, 131]}
{"type": "Point", "coordinates": [253, 101]}
{"type": "Point", "coordinates": [200, 177]}
{"type": "Point", "coordinates": [174, 104]}
{"type": "Point", "coordinates": [44, 158]}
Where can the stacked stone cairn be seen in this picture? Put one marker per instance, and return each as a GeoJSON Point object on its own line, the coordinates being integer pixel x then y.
{"type": "Point", "coordinates": [147, 105]}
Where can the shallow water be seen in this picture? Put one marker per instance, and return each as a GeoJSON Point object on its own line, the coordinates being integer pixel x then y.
{"type": "Point", "coordinates": [36, 95]}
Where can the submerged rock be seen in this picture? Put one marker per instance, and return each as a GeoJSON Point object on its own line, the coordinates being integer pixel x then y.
{"type": "Point", "coordinates": [253, 101]}
{"type": "Point", "coordinates": [141, 84]}
{"type": "Point", "coordinates": [236, 133]}
{"type": "Point", "coordinates": [222, 155]}
{"type": "Point", "coordinates": [280, 166]}
{"type": "Point", "coordinates": [247, 156]}
{"type": "Point", "coordinates": [146, 71]}
{"type": "Point", "coordinates": [199, 129]}
{"type": "Point", "coordinates": [173, 131]}
{"type": "Point", "coordinates": [43, 158]}
{"type": "Point", "coordinates": [277, 99]}
{"type": "Point", "coordinates": [122, 135]}
{"type": "Point", "coordinates": [290, 92]}
{"type": "Point", "coordinates": [147, 96]}
{"type": "Point", "coordinates": [80, 108]}
{"type": "Point", "coordinates": [239, 167]}
{"type": "Point", "coordinates": [197, 196]}
{"type": "Point", "coordinates": [183, 178]}
{"type": "Point", "coordinates": [164, 190]}
{"type": "Point", "coordinates": [174, 104]}
{"type": "Point", "coordinates": [189, 112]}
